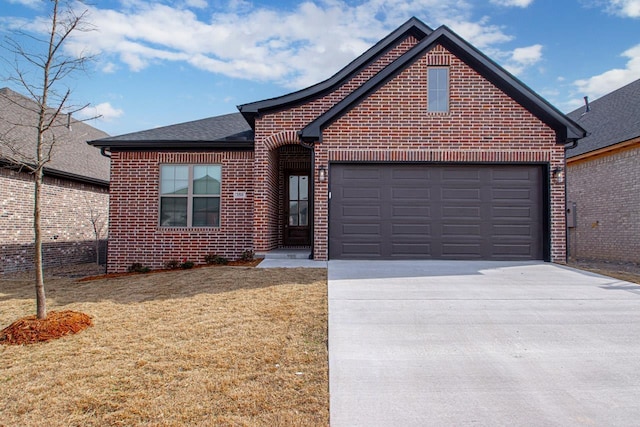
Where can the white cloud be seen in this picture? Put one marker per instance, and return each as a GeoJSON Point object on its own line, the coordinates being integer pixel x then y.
{"type": "Point", "coordinates": [104, 111]}
{"type": "Point", "coordinates": [611, 80]}
{"type": "Point", "coordinates": [293, 47]}
{"type": "Point", "coordinates": [512, 3]}
{"type": "Point", "coordinates": [626, 8]}
{"type": "Point", "coordinates": [29, 3]}
{"type": "Point", "coordinates": [198, 4]}
{"type": "Point", "coordinates": [109, 68]}
{"type": "Point", "coordinates": [523, 57]}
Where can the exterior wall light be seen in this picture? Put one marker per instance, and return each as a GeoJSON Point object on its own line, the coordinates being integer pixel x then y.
{"type": "Point", "coordinates": [322, 174]}
{"type": "Point", "coordinates": [558, 174]}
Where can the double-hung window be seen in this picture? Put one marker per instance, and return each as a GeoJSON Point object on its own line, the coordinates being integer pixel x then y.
{"type": "Point", "coordinates": [438, 89]}
{"type": "Point", "coordinates": [190, 195]}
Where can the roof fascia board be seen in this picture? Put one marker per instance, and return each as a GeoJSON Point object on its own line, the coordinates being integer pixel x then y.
{"type": "Point", "coordinates": [631, 143]}
{"type": "Point", "coordinates": [54, 173]}
{"type": "Point", "coordinates": [176, 145]}
{"type": "Point", "coordinates": [413, 27]}
{"type": "Point", "coordinates": [566, 129]}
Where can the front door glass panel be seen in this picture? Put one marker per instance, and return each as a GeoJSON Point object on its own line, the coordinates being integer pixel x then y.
{"type": "Point", "coordinates": [298, 200]}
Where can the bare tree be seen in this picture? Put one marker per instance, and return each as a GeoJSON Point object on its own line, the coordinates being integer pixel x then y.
{"type": "Point", "coordinates": [39, 65]}
{"type": "Point", "coordinates": [98, 225]}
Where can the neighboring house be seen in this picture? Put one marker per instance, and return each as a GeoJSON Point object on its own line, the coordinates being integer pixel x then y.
{"type": "Point", "coordinates": [603, 179]}
{"type": "Point", "coordinates": [75, 191]}
{"type": "Point", "coordinates": [421, 148]}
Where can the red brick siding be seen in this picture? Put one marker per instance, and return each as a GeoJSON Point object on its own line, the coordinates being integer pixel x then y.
{"type": "Point", "coordinates": [606, 190]}
{"type": "Point", "coordinates": [136, 235]}
{"type": "Point", "coordinates": [279, 128]}
{"type": "Point", "coordinates": [483, 125]}
{"type": "Point", "coordinates": [68, 233]}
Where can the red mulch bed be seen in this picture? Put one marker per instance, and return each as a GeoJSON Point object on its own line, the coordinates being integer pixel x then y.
{"type": "Point", "coordinates": [30, 330]}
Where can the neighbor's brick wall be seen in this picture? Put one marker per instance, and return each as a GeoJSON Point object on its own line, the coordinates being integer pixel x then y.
{"type": "Point", "coordinates": [606, 190]}
{"type": "Point", "coordinates": [277, 129]}
{"type": "Point", "coordinates": [136, 235]}
{"type": "Point", "coordinates": [483, 125]}
{"type": "Point", "coordinates": [66, 226]}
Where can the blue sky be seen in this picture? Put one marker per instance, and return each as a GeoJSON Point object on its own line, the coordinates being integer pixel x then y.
{"type": "Point", "coordinates": [166, 62]}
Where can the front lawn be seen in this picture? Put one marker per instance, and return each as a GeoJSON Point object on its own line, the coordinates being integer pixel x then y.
{"type": "Point", "coordinates": [211, 346]}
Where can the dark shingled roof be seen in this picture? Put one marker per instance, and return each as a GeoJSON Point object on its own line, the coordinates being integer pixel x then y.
{"type": "Point", "coordinates": [71, 156]}
{"type": "Point", "coordinates": [226, 130]}
{"type": "Point", "coordinates": [612, 119]}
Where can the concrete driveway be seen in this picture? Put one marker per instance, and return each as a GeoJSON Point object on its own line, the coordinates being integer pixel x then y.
{"type": "Point", "coordinates": [456, 343]}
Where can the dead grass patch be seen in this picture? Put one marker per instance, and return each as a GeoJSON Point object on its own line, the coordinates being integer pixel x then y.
{"type": "Point", "coordinates": [225, 346]}
{"type": "Point", "coordinates": [627, 271]}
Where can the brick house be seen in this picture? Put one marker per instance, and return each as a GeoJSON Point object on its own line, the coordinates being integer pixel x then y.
{"type": "Point", "coordinates": [421, 148]}
{"type": "Point", "coordinates": [603, 179]}
{"type": "Point", "coordinates": [76, 188]}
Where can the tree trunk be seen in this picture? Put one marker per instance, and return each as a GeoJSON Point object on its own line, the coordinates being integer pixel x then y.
{"type": "Point", "coordinates": [41, 302]}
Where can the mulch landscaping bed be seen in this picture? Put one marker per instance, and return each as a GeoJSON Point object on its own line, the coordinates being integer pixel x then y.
{"type": "Point", "coordinates": [30, 329]}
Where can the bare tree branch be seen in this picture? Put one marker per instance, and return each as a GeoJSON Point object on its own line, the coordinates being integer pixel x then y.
{"type": "Point", "coordinates": [40, 71]}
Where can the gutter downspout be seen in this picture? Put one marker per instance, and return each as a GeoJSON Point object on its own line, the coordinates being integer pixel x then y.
{"type": "Point", "coordinates": [103, 151]}
{"type": "Point", "coordinates": [310, 147]}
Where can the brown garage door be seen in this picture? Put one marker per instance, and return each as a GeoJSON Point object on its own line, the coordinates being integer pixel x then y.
{"type": "Point", "coordinates": [436, 212]}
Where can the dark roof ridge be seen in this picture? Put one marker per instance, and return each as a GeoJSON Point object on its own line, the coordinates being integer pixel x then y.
{"type": "Point", "coordinates": [412, 26]}
{"type": "Point", "coordinates": [566, 129]}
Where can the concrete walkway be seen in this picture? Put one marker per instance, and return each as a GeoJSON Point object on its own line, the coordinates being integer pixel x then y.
{"type": "Point", "coordinates": [437, 343]}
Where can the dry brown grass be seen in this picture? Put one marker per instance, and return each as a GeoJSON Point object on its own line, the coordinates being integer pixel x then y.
{"type": "Point", "coordinates": [224, 346]}
{"type": "Point", "coordinates": [626, 271]}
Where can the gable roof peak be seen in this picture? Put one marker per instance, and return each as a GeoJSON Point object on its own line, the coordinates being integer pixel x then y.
{"type": "Point", "coordinates": [413, 26]}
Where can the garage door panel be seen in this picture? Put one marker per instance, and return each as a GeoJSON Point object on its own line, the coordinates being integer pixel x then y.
{"type": "Point", "coordinates": [461, 250]}
{"type": "Point", "coordinates": [410, 193]}
{"type": "Point", "coordinates": [411, 212]}
{"type": "Point", "coordinates": [395, 211]}
{"type": "Point", "coordinates": [411, 251]}
{"type": "Point", "coordinates": [418, 230]}
{"type": "Point", "coordinates": [359, 250]}
{"type": "Point", "coordinates": [460, 174]}
{"type": "Point", "coordinates": [461, 194]}
{"type": "Point", "coordinates": [511, 251]}
{"type": "Point", "coordinates": [512, 194]}
{"type": "Point", "coordinates": [508, 212]}
{"type": "Point", "coordinates": [361, 211]}
{"type": "Point", "coordinates": [461, 230]}
{"type": "Point", "coordinates": [361, 193]}
{"type": "Point", "coordinates": [361, 229]}
{"type": "Point", "coordinates": [518, 231]}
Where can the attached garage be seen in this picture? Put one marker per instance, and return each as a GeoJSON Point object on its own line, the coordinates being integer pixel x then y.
{"type": "Point", "coordinates": [427, 211]}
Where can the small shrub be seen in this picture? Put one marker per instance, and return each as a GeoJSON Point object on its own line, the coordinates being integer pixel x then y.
{"type": "Point", "coordinates": [172, 264]}
{"type": "Point", "coordinates": [247, 255]}
{"type": "Point", "coordinates": [136, 267]}
{"type": "Point", "coordinates": [185, 265]}
{"type": "Point", "coordinates": [215, 259]}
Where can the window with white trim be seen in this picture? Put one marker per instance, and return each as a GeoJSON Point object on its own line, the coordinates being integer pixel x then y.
{"type": "Point", "coordinates": [190, 195]}
{"type": "Point", "coordinates": [438, 89]}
